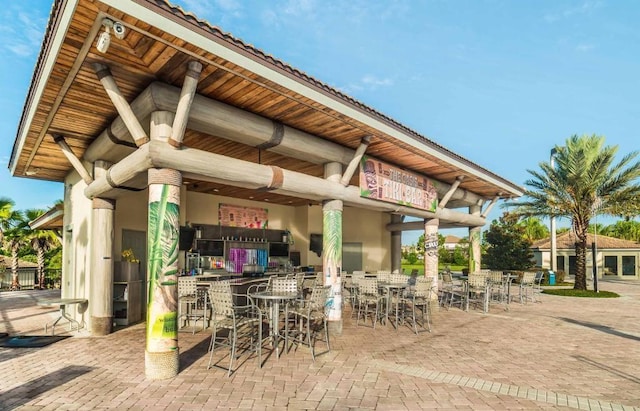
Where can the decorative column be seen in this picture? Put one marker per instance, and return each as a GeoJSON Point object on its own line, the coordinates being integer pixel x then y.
{"type": "Point", "coordinates": [475, 240]}
{"type": "Point", "coordinates": [162, 355]}
{"type": "Point", "coordinates": [102, 234]}
{"type": "Point", "coordinates": [332, 249]}
{"type": "Point", "coordinates": [431, 258]}
{"type": "Point", "coordinates": [396, 244]}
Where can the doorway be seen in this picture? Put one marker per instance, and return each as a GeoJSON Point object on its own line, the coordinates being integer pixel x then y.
{"type": "Point", "coordinates": [137, 242]}
{"type": "Point", "coordinates": [351, 257]}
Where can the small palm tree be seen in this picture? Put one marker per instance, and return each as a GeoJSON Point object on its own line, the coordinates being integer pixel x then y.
{"type": "Point", "coordinates": [584, 183]}
{"type": "Point", "coordinates": [41, 241]}
{"type": "Point", "coordinates": [11, 228]}
{"type": "Point", "coordinates": [534, 229]}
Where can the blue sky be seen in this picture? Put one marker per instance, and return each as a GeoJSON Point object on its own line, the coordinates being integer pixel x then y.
{"type": "Point", "coordinates": [498, 82]}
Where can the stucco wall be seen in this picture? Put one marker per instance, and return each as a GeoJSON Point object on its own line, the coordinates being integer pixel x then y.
{"type": "Point", "coordinates": [76, 255]}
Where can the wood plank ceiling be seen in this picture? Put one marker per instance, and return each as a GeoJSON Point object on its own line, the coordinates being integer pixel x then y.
{"type": "Point", "coordinates": [75, 105]}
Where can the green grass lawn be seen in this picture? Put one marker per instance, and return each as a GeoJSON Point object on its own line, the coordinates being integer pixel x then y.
{"type": "Point", "coordinates": [420, 267]}
{"type": "Point", "coordinates": [570, 292]}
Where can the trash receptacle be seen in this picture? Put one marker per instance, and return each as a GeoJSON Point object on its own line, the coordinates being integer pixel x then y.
{"type": "Point", "coordinates": [552, 278]}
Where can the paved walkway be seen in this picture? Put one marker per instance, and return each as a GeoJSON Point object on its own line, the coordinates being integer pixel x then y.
{"type": "Point", "coordinates": [561, 353]}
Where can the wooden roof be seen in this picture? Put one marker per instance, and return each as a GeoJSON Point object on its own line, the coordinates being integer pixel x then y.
{"type": "Point", "coordinates": [66, 98]}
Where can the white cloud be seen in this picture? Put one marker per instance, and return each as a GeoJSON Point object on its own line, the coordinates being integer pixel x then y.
{"type": "Point", "coordinates": [375, 82]}
{"type": "Point", "coordinates": [585, 8]}
{"type": "Point", "coordinates": [585, 47]}
{"type": "Point", "coordinates": [21, 31]}
{"type": "Point", "coordinates": [300, 7]}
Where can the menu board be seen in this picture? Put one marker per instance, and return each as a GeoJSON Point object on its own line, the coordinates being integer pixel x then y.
{"type": "Point", "coordinates": [384, 182]}
{"type": "Point", "coordinates": [248, 217]}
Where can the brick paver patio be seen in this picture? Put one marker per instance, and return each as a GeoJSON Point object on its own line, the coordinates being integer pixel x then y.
{"type": "Point", "coordinates": [561, 353]}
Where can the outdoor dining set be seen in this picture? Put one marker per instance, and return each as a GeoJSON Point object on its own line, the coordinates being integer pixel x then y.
{"type": "Point", "coordinates": [281, 313]}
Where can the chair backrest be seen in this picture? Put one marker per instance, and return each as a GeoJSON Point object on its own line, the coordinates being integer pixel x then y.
{"type": "Point", "coordinates": [221, 298]}
{"type": "Point", "coordinates": [528, 278]}
{"type": "Point", "coordinates": [356, 277]}
{"type": "Point", "coordinates": [446, 278]}
{"type": "Point", "coordinates": [187, 286]}
{"type": "Point", "coordinates": [384, 276]}
{"type": "Point", "coordinates": [398, 278]}
{"type": "Point", "coordinates": [423, 287]}
{"type": "Point", "coordinates": [496, 277]}
{"type": "Point", "coordinates": [318, 299]}
{"type": "Point", "coordinates": [284, 285]}
{"type": "Point", "coordinates": [300, 280]}
{"type": "Point", "coordinates": [368, 286]}
{"type": "Point", "coordinates": [477, 280]}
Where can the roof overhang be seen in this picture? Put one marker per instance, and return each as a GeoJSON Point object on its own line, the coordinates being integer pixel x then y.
{"type": "Point", "coordinates": [51, 220]}
{"type": "Point", "coordinates": [66, 98]}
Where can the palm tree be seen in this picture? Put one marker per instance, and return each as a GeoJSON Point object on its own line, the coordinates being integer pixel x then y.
{"type": "Point", "coordinates": [534, 229]}
{"type": "Point", "coordinates": [628, 230]}
{"type": "Point", "coordinates": [11, 226]}
{"type": "Point", "coordinates": [41, 241]}
{"type": "Point", "coordinates": [584, 183]}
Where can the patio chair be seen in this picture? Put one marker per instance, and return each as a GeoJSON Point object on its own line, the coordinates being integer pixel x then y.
{"type": "Point", "coordinates": [191, 304]}
{"type": "Point", "coordinates": [527, 287]}
{"type": "Point", "coordinates": [356, 277]}
{"type": "Point", "coordinates": [370, 301]}
{"type": "Point", "coordinates": [497, 287]}
{"type": "Point", "coordinates": [478, 290]}
{"type": "Point", "coordinates": [419, 298]}
{"type": "Point", "coordinates": [311, 320]}
{"type": "Point", "coordinates": [395, 298]}
{"type": "Point", "coordinates": [451, 291]}
{"type": "Point", "coordinates": [242, 323]}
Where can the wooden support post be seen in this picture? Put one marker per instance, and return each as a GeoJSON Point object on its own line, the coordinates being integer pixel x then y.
{"type": "Point", "coordinates": [101, 268]}
{"type": "Point", "coordinates": [162, 358]}
{"type": "Point", "coordinates": [127, 115]}
{"type": "Point", "coordinates": [332, 249]}
{"type": "Point", "coordinates": [75, 161]}
{"type": "Point", "coordinates": [353, 165]}
{"type": "Point", "coordinates": [442, 203]}
{"type": "Point", "coordinates": [184, 104]}
{"type": "Point", "coordinates": [475, 259]}
{"type": "Point", "coordinates": [396, 245]}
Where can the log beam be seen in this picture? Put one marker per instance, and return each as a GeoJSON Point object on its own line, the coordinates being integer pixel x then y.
{"type": "Point", "coordinates": [73, 159]}
{"type": "Point", "coordinates": [212, 117]}
{"type": "Point", "coordinates": [118, 174]}
{"type": "Point", "coordinates": [247, 174]}
{"type": "Point", "coordinates": [493, 202]}
{"type": "Point", "coordinates": [184, 103]}
{"type": "Point", "coordinates": [450, 192]}
{"type": "Point", "coordinates": [355, 161]}
{"type": "Point", "coordinates": [122, 106]}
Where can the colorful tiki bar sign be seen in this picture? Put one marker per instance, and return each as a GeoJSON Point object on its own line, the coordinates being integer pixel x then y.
{"type": "Point", "coordinates": [248, 217]}
{"type": "Point", "coordinates": [384, 182]}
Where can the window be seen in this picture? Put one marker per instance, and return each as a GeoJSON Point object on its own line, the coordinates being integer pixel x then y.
{"type": "Point", "coordinates": [628, 265]}
{"type": "Point", "coordinates": [610, 265]}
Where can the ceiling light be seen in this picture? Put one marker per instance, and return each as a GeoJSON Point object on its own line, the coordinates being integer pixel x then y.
{"type": "Point", "coordinates": [32, 171]}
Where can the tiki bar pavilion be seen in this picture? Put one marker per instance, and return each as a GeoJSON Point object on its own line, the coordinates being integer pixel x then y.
{"type": "Point", "coordinates": [197, 153]}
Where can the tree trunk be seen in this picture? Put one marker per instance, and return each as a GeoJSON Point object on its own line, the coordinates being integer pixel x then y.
{"type": "Point", "coordinates": [15, 281]}
{"type": "Point", "coordinates": [40, 252]}
{"type": "Point", "coordinates": [581, 257]}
